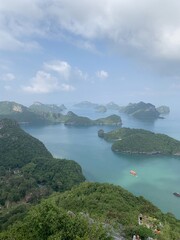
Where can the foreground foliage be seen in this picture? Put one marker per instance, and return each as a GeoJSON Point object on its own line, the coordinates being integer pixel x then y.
{"type": "Point", "coordinates": [80, 212]}
{"type": "Point", "coordinates": [47, 221]}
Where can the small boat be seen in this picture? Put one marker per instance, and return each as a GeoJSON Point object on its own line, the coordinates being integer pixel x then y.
{"type": "Point", "coordinates": [176, 194]}
{"type": "Point", "coordinates": [132, 172]}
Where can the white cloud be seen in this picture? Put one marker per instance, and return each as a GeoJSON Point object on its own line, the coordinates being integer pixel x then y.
{"type": "Point", "coordinates": [8, 77]}
{"type": "Point", "coordinates": [140, 28]}
{"type": "Point", "coordinates": [80, 74]}
{"type": "Point", "coordinates": [65, 71]}
{"type": "Point", "coordinates": [19, 24]}
{"type": "Point", "coordinates": [44, 82]}
{"type": "Point", "coordinates": [67, 87]}
{"type": "Point", "coordinates": [102, 74]}
{"type": "Point", "coordinates": [10, 42]}
{"type": "Point", "coordinates": [126, 23]}
{"type": "Point", "coordinates": [61, 67]}
{"type": "Point", "coordinates": [144, 29]}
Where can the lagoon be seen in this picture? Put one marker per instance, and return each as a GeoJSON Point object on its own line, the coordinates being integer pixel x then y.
{"type": "Point", "coordinates": [158, 176]}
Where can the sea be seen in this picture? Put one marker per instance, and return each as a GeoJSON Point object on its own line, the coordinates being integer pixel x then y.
{"type": "Point", "coordinates": [157, 176]}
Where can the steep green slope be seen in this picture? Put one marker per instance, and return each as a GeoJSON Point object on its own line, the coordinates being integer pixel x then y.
{"type": "Point", "coordinates": [27, 169]}
{"type": "Point", "coordinates": [69, 216]}
{"type": "Point", "coordinates": [49, 222]}
{"type": "Point", "coordinates": [114, 205]}
{"type": "Point", "coordinates": [20, 113]}
{"type": "Point", "coordinates": [18, 148]}
{"type": "Point", "coordinates": [58, 174]}
{"type": "Point", "coordinates": [140, 141]}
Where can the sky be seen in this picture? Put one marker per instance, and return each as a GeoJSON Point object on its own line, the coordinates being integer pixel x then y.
{"type": "Point", "coordinates": [65, 51]}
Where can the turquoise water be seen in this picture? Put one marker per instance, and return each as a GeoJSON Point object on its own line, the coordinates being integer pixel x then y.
{"type": "Point", "coordinates": [158, 177]}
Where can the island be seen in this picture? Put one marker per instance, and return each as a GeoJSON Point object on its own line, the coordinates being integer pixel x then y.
{"type": "Point", "coordinates": [101, 109]}
{"type": "Point", "coordinates": [108, 106]}
{"type": "Point", "coordinates": [52, 108]}
{"type": "Point", "coordinates": [112, 106]}
{"type": "Point", "coordinates": [86, 104]}
{"type": "Point", "coordinates": [44, 114]}
{"type": "Point", "coordinates": [21, 113]}
{"type": "Point", "coordinates": [74, 120]}
{"type": "Point", "coordinates": [142, 111]}
{"type": "Point", "coordinates": [139, 141]}
{"type": "Point", "coordinates": [163, 110]}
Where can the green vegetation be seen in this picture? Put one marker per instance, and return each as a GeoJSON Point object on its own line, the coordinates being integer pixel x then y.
{"type": "Point", "coordinates": [20, 113]}
{"type": "Point", "coordinates": [46, 108]}
{"type": "Point", "coordinates": [28, 171]}
{"type": "Point", "coordinates": [18, 148]}
{"type": "Point", "coordinates": [110, 120]}
{"type": "Point", "coordinates": [76, 209]}
{"type": "Point", "coordinates": [89, 211]}
{"type": "Point", "coordinates": [58, 174]}
{"type": "Point", "coordinates": [142, 111]}
{"type": "Point", "coordinates": [140, 141]}
{"type": "Point", "coordinates": [75, 120]}
{"type": "Point", "coordinates": [49, 222]}
{"type": "Point", "coordinates": [39, 113]}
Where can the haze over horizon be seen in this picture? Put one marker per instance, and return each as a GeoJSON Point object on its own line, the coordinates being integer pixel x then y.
{"type": "Point", "coordinates": [57, 51]}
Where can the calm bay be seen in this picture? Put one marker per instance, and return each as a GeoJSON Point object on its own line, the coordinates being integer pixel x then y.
{"type": "Point", "coordinates": [158, 176]}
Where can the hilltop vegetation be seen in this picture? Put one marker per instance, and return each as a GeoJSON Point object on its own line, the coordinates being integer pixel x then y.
{"type": "Point", "coordinates": [140, 141]}
{"type": "Point", "coordinates": [93, 211]}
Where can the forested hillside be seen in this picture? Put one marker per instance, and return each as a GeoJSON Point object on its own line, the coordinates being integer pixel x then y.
{"type": "Point", "coordinates": [18, 148]}
{"type": "Point", "coordinates": [20, 113]}
{"type": "Point", "coordinates": [27, 169]}
{"type": "Point", "coordinates": [94, 211]}
{"type": "Point", "coordinates": [75, 210]}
